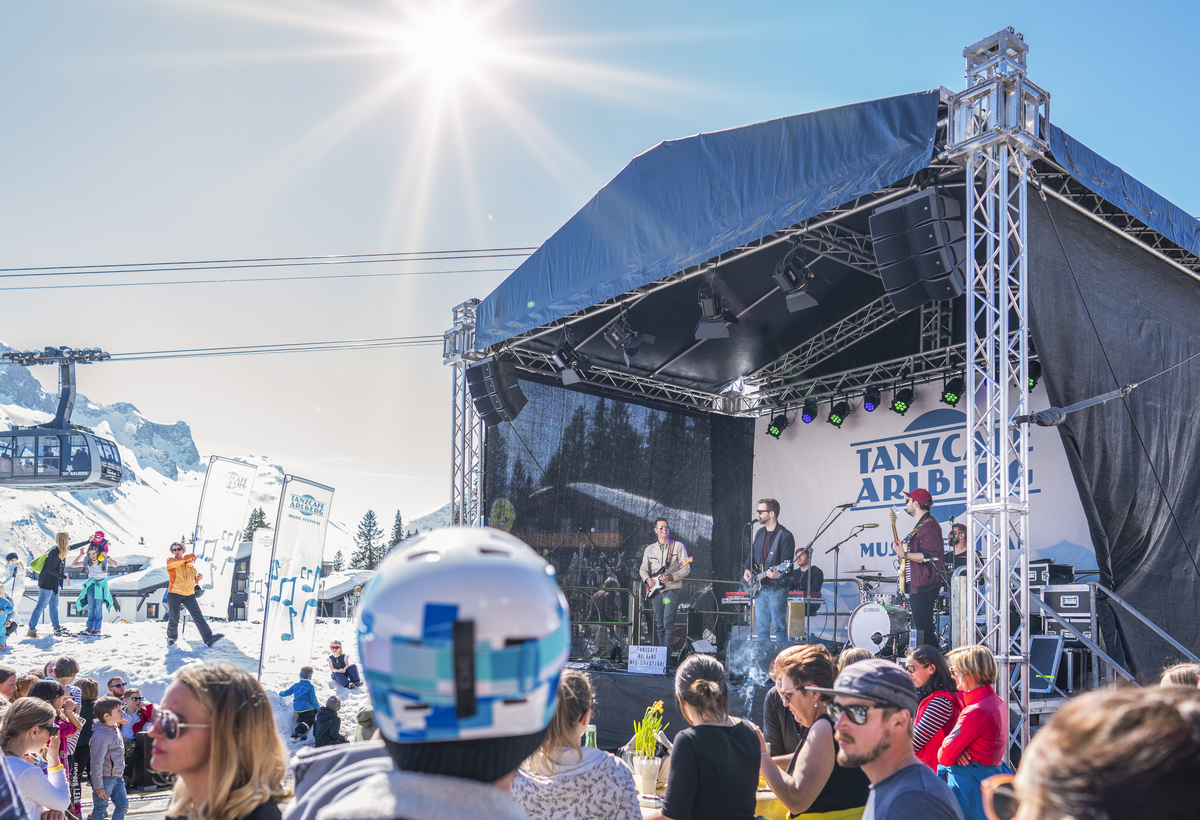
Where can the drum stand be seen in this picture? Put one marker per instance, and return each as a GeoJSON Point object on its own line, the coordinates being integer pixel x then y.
{"type": "Point", "coordinates": [836, 549]}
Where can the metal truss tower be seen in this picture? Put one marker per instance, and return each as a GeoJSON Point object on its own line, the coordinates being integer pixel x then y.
{"type": "Point", "coordinates": [997, 127]}
{"type": "Point", "coordinates": [466, 431]}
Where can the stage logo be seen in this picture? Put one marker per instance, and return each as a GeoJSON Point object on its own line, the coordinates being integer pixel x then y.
{"type": "Point", "coordinates": [307, 505]}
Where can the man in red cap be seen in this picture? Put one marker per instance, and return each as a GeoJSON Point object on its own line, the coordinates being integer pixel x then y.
{"type": "Point", "coordinates": [926, 556]}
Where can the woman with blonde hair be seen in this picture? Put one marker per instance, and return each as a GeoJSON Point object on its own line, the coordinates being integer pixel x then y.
{"type": "Point", "coordinates": [564, 780]}
{"type": "Point", "coordinates": [974, 749]}
{"type": "Point", "coordinates": [215, 730]}
{"type": "Point", "coordinates": [50, 579]}
{"type": "Point", "coordinates": [29, 727]}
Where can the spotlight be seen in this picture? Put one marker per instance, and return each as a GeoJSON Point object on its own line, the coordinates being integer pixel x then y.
{"type": "Point", "coordinates": [953, 391]}
{"type": "Point", "coordinates": [809, 412]}
{"type": "Point", "coordinates": [567, 360]}
{"type": "Point", "coordinates": [715, 317]}
{"type": "Point", "coordinates": [1035, 373]}
{"type": "Point", "coordinates": [778, 425]}
{"type": "Point", "coordinates": [620, 336]}
{"type": "Point", "coordinates": [871, 399]}
{"type": "Point", "coordinates": [793, 276]}
{"type": "Point", "coordinates": [902, 400]}
{"type": "Point", "coordinates": [839, 412]}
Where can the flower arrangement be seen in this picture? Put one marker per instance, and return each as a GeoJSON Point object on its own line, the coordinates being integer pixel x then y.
{"type": "Point", "coordinates": [645, 731]}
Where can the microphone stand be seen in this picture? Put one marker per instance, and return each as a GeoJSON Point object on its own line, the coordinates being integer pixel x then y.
{"type": "Point", "coordinates": [836, 549]}
{"type": "Point", "coordinates": [840, 509]}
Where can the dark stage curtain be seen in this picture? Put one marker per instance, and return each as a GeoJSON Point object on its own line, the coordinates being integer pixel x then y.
{"type": "Point", "coordinates": [1148, 316]}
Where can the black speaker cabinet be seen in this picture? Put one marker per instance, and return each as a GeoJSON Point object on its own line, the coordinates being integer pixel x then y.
{"type": "Point", "coordinates": [494, 391]}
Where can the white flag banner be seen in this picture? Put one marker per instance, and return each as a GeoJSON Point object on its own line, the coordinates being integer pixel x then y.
{"type": "Point", "coordinates": [219, 523]}
{"type": "Point", "coordinates": [260, 568]}
{"type": "Point", "coordinates": [295, 577]}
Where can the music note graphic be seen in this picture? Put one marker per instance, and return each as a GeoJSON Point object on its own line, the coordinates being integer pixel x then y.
{"type": "Point", "coordinates": [308, 572]}
{"type": "Point", "coordinates": [304, 611]}
{"type": "Point", "coordinates": [292, 594]}
{"type": "Point", "coordinates": [291, 633]}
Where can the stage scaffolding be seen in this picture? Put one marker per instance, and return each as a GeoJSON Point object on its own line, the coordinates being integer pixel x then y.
{"type": "Point", "coordinates": [995, 142]}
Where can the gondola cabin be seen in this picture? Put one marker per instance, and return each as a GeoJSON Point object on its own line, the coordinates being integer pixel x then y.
{"type": "Point", "coordinates": [40, 458]}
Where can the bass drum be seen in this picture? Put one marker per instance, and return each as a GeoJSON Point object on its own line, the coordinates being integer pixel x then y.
{"type": "Point", "coordinates": [874, 627]}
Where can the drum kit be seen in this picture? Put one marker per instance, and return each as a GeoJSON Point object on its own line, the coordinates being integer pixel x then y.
{"type": "Point", "coordinates": [881, 622]}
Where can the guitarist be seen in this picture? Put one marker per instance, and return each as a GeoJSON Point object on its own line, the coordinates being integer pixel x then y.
{"type": "Point", "coordinates": [663, 554]}
{"type": "Point", "coordinates": [926, 558]}
{"type": "Point", "coordinates": [773, 544]}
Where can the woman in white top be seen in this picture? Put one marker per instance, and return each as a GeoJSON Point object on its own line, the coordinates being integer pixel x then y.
{"type": "Point", "coordinates": [565, 781]}
{"type": "Point", "coordinates": [14, 583]}
{"type": "Point", "coordinates": [28, 727]}
{"type": "Point", "coordinates": [95, 592]}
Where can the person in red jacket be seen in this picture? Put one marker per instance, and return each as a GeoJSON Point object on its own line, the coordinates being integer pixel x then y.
{"type": "Point", "coordinates": [940, 702]}
{"type": "Point", "coordinates": [974, 749]}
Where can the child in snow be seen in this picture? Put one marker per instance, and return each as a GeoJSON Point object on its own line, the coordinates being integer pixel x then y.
{"type": "Point", "coordinates": [14, 587]}
{"type": "Point", "coordinates": [7, 613]}
{"type": "Point", "coordinates": [344, 673]}
{"type": "Point", "coordinates": [304, 702]}
{"type": "Point", "coordinates": [94, 595]}
{"type": "Point", "coordinates": [327, 729]}
{"type": "Point", "coordinates": [107, 750]}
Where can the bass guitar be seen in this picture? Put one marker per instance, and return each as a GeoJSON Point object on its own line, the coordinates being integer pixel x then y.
{"type": "Point", "coordinates": [754, 585]}
{"type": "Point", "coordinates": [903, 562]}
{"type": "Point", "coordinates": [655, 582]}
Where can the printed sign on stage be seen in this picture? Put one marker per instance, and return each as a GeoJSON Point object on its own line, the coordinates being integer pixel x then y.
{"type": "Point", "coordinates": [295, 576]}
{"type": "Point", "coordinates": [875, 457]}
{"type": "Point", "coordinates": [648, 660]}
{"type": "Point", "coordinates": [219, 523]}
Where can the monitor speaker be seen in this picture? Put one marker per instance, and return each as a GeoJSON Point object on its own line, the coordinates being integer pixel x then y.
{"type": "Point", "coordinates": [494, 391]}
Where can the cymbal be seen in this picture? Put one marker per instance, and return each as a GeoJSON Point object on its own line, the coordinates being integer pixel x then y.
{"type": "Point", "coordinates": [843, 580]}
{"type": "Point", "coordinates": [864, 571]}
{"type": "Point", "coordinates": [888, 579]}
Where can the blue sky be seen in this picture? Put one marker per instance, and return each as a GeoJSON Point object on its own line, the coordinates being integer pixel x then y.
{"type": "Point", "coordinates": [150, 130]}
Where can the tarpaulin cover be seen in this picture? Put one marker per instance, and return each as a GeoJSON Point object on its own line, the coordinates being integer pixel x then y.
{"type": "Point", "coordinates": [1148, 316]}
{"type": "Point", "coordinates": [1118, 188]}
{"type": "Point", "coordinates": [685, 201]}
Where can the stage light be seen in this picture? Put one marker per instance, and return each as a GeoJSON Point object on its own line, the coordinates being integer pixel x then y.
{"type": "Point", "coordinates": [839, 412]}
{"type": "Point", "coordinates": [793, 276]}
{"type": "Point", "coordinates": [620, 336]}
{"type": "Point", "coordinates": [809, 412]}
{"type": "Point", "coordinates": [953, 391]}
{"type": "Point", "coordinates": [902, 400]}
{"type": "Point", "coordinates": [567, 360]}
{"type": "Point", "coordinates": [1035, 374]}
{"type": "Point", "coordinates": [871, 399]}
{"type": "Point", "coordinates": [778, 425]}
{"type": "Point", "coordinates": [714, 314]}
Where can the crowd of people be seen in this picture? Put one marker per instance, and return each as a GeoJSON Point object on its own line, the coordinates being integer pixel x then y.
{"type": "Point", "coordinates": [463, 641]}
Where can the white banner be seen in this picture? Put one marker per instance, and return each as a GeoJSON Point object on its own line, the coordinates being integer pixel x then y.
{"type": "Point", "coordinates": [260, 567]}
{"type": "Point", "coordinates": [295, 576]}
{"type": "Point", "coordinates": [219, 524]}
{"type": "Point", "coordinates": [813, 468]}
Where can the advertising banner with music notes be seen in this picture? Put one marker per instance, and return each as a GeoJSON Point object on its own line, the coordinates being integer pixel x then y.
{"type": "Point", "coordinates": [260, 569]}
{"type": "Point", "coordinates": [219, 524]}
{"type": "Point", "coordinates": [295, 576]}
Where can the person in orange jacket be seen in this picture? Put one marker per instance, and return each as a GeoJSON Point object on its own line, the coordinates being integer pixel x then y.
{"type": "Point", "coordinates": [181, 591]}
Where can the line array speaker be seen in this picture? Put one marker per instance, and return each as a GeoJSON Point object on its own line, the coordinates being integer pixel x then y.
{"type": "Point", "coordinates": [494, 391]}
{"type": "Point", "coordinates": [920, 249]}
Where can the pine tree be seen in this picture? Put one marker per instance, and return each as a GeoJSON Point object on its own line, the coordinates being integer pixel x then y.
{"type": "Point", "coordinates": [339, 563]}
{"type": "Point", "coordinates": [370, 543]}
{"type": "Point", "coordinates": [258, 521]}
{"type": "Point", "coordinates": [397, 532]}
{"type": "Point", "coordinates": [142, 541]}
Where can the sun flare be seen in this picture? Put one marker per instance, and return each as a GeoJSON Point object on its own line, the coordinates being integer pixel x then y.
{"type": "Point", "coordinates": [447, 43]}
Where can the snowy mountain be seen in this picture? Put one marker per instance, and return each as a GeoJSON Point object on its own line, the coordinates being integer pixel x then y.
{"type": "Point", "coordinates": [156, 502]}
{"type": "Point", "coordinates": [431, 520]}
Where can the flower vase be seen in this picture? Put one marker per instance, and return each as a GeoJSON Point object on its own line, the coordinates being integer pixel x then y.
{"type": "Point", "coordinates": [646, 770]}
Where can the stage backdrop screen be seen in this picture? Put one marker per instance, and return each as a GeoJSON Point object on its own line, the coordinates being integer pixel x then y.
{"type": "Point", "coordinates": [581, 479]}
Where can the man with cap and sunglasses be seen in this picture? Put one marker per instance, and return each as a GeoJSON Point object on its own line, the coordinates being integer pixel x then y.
{"type": "Point", "coordinates": [873, 706]}
{"type": "Point", "coordinates": [925, 555]}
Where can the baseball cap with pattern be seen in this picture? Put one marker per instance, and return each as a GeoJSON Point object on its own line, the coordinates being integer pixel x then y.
{"type": "Point", "coordinates": [878, 680]}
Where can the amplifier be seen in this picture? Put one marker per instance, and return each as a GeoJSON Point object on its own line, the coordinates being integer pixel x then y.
{"type": "Point", "coordinates": [1051, 573]}
{"type": "Point", "coordinates": [1084, 625]}
{"type": "Point", "coordinates": [1069, 599]}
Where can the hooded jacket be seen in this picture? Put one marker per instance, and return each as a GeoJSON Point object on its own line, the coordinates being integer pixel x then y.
{"type": "Point", "coordinates": [107, 750]}
{"type": "Point", "coordinates": [303, 694]}
{"type": "Point", "coordinates": [327, 728]}
{"type": "Point", "coordinates": [181, 574]}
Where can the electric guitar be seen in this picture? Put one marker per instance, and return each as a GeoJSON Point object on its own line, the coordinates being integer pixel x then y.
{"type": "Point", "coordinates": [754, 585]}
{"type": "Point", "coordinates": [655, 582]}
{"type": "Point", "coordinates": [903, 562]}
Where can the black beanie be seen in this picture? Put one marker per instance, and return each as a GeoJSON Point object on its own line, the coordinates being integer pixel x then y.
{"type": "Point", "coordinates": [485, 759]}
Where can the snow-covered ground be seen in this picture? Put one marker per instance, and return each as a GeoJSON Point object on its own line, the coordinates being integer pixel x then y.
{"type": "Point", "coordinates": [139, 653]}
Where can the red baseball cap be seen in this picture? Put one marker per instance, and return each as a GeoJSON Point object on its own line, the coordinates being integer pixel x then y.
{"type": "Point", "coordinates": [920, 495]}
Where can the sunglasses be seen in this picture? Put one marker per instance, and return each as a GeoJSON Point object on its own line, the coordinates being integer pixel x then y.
{"type": "Point", "coordinates": [118, 686]}
{"type": "Point", "coordinates": [51, 728]}
{"type": "Point", "coordinates": [168, 723]}
{"type": "Point", "coordinates": [999, 798]}
{"type": "Point", "coordinates": [135, 699]}
{"type": "Point", "coordinates": [176, 549]}
{"type": "Point", "coordinates": [856, 713]}
{"type": "Point", "coordinates": [786, 694]}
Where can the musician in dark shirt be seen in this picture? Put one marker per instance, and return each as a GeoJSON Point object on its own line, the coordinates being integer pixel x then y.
{"type": "Point", "coordinates": [772, 545]}
{"type": "Point", "coordinates": [926, 558]}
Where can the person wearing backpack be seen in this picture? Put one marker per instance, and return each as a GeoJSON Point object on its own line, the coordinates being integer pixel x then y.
{"type": "Point", "coordinates": [51, 575]}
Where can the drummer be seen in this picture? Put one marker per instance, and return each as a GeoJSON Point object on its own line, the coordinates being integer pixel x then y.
{"type": "Point", "coordinates": [807, 578]}
{"type": "Point", "coordinates": [926, 558]}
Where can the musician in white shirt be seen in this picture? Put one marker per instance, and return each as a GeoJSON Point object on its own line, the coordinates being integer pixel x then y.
{"type": "Point", "coordinates": [665, 553]}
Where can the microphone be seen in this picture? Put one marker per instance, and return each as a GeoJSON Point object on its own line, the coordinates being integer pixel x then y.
{"type": "Point", "coordinates": [845, 506]}
{"type": "Point", "coordinates": [752, 521]}
{"type": "Point", "coordinates": [868, 526]}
